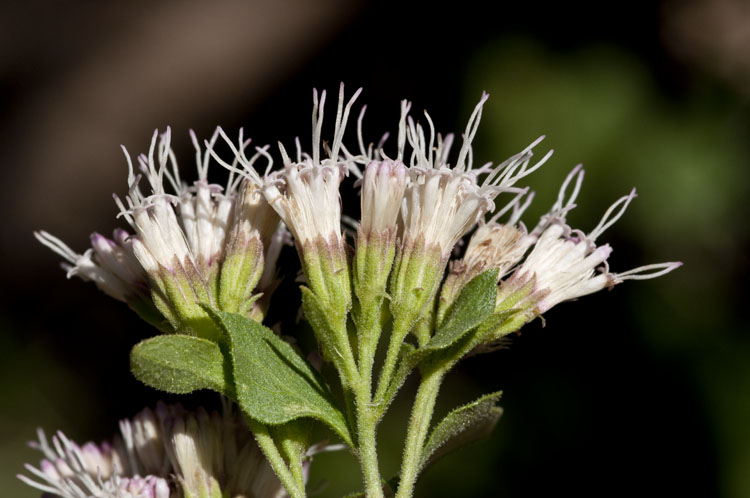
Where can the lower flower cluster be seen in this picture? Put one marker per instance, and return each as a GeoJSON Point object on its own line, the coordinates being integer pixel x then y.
{"type": "Point", "coordinates": [168, 452]}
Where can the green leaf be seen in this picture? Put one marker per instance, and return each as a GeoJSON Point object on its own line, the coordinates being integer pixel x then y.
{"type": "Point", "coordinates": [180, 364]}
{"type": "Point", "coordinates": [274, 384]}
{"type": "Point", "coordinates": [474, 304]}
{"type": "Point", "coordinates": [461, 426]}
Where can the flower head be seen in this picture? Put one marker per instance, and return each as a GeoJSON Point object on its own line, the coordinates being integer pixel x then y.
{"type": "Point", "coordinates": [442, 203]}
{"type": "Point", "coordinates": [305, 193]}
{"type": "Point", "coordinates": [109, 263]}
{"type": "Point", "coordinates": [102, 470]}
{"type": "Point", "coordinates": [112, 265]}
{"type": "Point", "coordinates": [566, 264]}
{"type": "Point", "coordinates": [503, 245]}
{"type": "Point", "coordinates": [199, 243]}
{"type": "Point", "coordinates": [493, 245]}
{"type": "Point", "coordinates": [497, 245]}
{"type": "Point", "coordinates": [179, 237]}
{"type": "Point", "coordinates": [382, 180]}
{"type": "Point", "coordinates": [383, 186]}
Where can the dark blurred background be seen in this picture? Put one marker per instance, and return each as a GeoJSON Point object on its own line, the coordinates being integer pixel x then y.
{"type": "Point", "coordinates": [641, 391]}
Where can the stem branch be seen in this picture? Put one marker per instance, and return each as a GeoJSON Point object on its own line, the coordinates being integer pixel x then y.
{"type": "Point", "coordinates": [419, 424]}
{"type": "Point", "coordinates": [268, 446]}
{"type": "Point", "coordinates": [367, 419]}
{"type": "Point", "coordinates": [400, 329]}
{"type": "Point", "coordinates": [368, 457]}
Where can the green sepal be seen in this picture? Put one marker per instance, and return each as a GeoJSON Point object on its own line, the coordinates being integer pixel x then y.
{"type": "Point", "coordinates": [240, 273]}
{"type": "Point", "coordinates": [273, 383]}
{"type": "Point", "coordinates": [499, 324]}
{"type": "Point", "coordinates": [183, 289]}
{"type": "Point", "coordinates": [372, 263]}
{"type": "Point", "coordinates": [327, 270]}
{"type": "Point", "coordinates": [205, 490]}
{"type": "Point", "coordinates": [180, 364]}
{"type": "Point", "coordinates": [462, 426]}
{"type": "Point", "coordinates": [148, 312]}
{"type": "Point", "coordinates": [315, 313]}
{"type": "Point", "coordinates": [417, 272]}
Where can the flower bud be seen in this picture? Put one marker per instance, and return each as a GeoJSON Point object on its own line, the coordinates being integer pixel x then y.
{"type": "Point", "coordinates": [253, 226]}
{"type": "Point", "coordinates": [305, 194]}
{"type": "Point", "coordinates": [383, 186]}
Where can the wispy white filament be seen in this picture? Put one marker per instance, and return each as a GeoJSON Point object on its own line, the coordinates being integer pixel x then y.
{"type": "Point", "coordinates": [567, 264]}
{"type": "Point", "coordinates": [110, 264]}
{"type": "Point", "coordinates": [305, 194]}
{"type": "Point", "coordinates": [383, 189]}
{"type": "Point", "coordinates": [441, 202]}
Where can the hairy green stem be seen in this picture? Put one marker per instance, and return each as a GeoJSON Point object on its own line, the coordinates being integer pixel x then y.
{"type": "Point", "coordinates": [297, 472]}
{"type": "Point", "coordinates": [368, 458]}
{"type": "Point", "coordinates": [345, 363]}
{"type": "Point", "coordinates": [400, 330]}
{"type": "Point", "coordinates": [419, 424]}
{"type": "Point", "coordinates": [268, 446]}
{"type": "Point", "coordinates": [346, 367]}
{"type": "Point", "coordinates": [424, 405]}
{"type": "Point", "coordinates": [292, 443]}
{"type": "Point", "coordinates": [368, 332]}
{"type": "Point", "coordinates": [367, 418]}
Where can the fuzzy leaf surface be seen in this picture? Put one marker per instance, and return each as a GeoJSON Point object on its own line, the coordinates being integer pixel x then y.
{"type": "Point", "coordinates": [461, 426]}
{"type": "Point", "coordinates": [274, 384]}
{"type": "Point", "coordinates": [474, 304]}
{"type": "Point", "coordinates": [180, 364]}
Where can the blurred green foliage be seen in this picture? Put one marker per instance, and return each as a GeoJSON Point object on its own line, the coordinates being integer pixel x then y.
{"type": "Point", "coordinates": [38, 390]}
{"type": "Point", "coordinates": [687, 154]}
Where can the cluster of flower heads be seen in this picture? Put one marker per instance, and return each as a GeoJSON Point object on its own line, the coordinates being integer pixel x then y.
{"type": "Point", "coordinates": [562, 263]}
{"type": "Point", "coordinates": [203, 244]}
{"type": "Point", "coordinates": [168, 452]}
{"type": "Point", "coordinates": [208, 244]}
{"type": "Point", "coordinates": [194, 244]}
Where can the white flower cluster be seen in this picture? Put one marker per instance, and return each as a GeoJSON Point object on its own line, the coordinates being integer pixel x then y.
{"type": "Point", "coordinates": [438, 203]}
{"type": "Point", "coordinates": [563, 263]}
{"type": "Point", "coordinates": [163, 453]}
{"type": "Point", "coordinates": [205, 243]}
{"type": "Point", "coordinates": [191, 243]}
